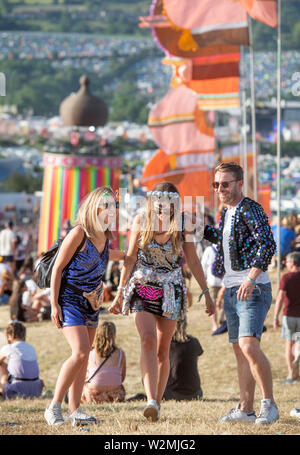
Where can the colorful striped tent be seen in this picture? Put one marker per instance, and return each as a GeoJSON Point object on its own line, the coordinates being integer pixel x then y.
{"type": "Point", "coordinates": [67, 180]}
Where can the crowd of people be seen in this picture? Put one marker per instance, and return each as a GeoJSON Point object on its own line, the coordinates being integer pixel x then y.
{"type": "Point", "coordinates": [40, 45]}
{"type": "Point", "coordinates": [151, 281]}
{"type": "Point", "coordinates": [93, 53]}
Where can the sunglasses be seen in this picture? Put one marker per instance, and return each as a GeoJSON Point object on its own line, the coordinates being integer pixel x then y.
{"type": "Point", "coordinates": [222, 184]}
{"type": "Point", "coordinates": [109, 205]}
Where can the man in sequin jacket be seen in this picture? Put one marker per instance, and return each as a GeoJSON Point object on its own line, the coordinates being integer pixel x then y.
{"type": "Point", "coordinates": [245, 247]}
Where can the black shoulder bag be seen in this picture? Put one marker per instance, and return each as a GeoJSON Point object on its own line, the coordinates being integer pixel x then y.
{"type": "Point", "coordinates": [45, 266]}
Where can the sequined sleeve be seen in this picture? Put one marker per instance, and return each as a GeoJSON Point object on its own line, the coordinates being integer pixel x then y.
{"type": "Point", "coordinates": [258, 224]}
{"type": "Point", "coordinates": [211, 234]}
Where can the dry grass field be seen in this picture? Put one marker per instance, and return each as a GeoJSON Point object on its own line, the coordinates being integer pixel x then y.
{"type": "Point", "coordinates": [218, 376]}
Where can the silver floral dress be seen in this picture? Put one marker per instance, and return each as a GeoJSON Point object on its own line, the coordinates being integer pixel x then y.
{"type": "Point", "coordinates": [157, 284]}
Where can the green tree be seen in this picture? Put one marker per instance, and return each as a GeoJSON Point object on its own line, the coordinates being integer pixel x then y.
{"type": "Point", "coordinates": [127, 104]}
{"type": "Point", "coordinates": [4, 7]}
{"type": "Point", "coordinates": [296, 33]}
{"type": "Point", "coordinates": [17, 183]}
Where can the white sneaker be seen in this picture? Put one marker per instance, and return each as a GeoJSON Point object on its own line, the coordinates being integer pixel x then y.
{"type": "Point", "coordinates": [235, 415]}
{"type": "Point", "coordinates": [268, 412]}
{"type": "Point", "coordinates": [53, 415]}
{"type": "Point", "coordinates": [295, 412]}
{"type": "Point", "coordinates": [152, 411]}
{"type": "Point", "coordinates": [79, 417]}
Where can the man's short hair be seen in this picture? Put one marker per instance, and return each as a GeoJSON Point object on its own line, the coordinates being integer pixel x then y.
{"type": "Point", "coordinates": [294, 257]}
{"type": "Point", "coordinates": [232, 167]}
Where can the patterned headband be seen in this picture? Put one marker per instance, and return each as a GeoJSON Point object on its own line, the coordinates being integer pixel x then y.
{"type": "Point", "coordinates": [162, 194]}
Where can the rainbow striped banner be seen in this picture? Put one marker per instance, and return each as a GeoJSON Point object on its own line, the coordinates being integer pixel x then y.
{"type": "Point", "coordinates": [67, 180]}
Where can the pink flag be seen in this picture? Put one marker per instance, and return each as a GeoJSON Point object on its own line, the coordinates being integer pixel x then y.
{"type": "Point", "coordinates": [173, 123]}
{"type": "Point", "coordinates": [209, 21]}
{"type": "Point", "coordinates": [262, 10]}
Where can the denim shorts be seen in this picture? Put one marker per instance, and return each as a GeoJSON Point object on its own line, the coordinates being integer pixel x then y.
{"type": "Point", "coordinates": [290, 326]}
{"type": "Point", "coordinates": [246, 318]}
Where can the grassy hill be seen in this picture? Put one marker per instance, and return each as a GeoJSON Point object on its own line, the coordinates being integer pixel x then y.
{"type": "Point", "coordinates": [93, 16]}
{"type": "Point", "coordinates": [120, 17]}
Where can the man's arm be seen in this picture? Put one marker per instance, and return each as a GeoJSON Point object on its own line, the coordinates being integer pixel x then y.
{"type": "Point", "coordinates": [211, 234]}
{"type": "Point", "coordinates": [278, 307]}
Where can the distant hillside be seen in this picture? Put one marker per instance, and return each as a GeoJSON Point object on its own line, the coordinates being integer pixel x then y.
{"type": "Point", "coordinates": [121, 17]}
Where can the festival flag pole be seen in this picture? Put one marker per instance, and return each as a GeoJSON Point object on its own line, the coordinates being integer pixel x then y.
{"type": "Point", "coordinates": [253, 118]}
{"type": "Point", "coordinates": [244, 141]}
{"type": "Point", "coordinates": [278, 140]}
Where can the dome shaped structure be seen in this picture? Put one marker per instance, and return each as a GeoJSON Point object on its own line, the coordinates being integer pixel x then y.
{"type": "Point", "coordinates": [83, 108]}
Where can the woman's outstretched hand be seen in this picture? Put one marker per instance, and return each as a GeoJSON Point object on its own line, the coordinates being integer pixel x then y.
{"type": "Point", "coordinates": [116, 306]}
{"type": "Point", "coordinates": [210, 307]}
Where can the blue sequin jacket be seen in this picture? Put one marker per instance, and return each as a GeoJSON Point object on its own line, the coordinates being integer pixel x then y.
{"type": "Point", "coordinates": [251, 241]}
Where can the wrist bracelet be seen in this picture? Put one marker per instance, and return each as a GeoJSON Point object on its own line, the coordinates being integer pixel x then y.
{"type": "Point", "coordinates": [121, 287]}
{"type": "Point", "coordinates": [202, 293]}
{"type": "Point", "coordinates": [251, 281]}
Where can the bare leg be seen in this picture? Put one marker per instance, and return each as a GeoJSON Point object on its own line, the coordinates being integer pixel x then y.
{"type": "Point", "coordinates": [75, 391]}
{"type": "Point", "coordinates": [259, 365]}
{"type": "Point", "coordinates": [165, 331]}
{"type": "Point", "coordinates": [146, 326]}
{"type": "Point", "coordinates": [214, 321]}
{"type": "Point", "coordinates": [3, 376]}
{"type": "Point", "coordinates": [246, 380]}
{"type": "Point", "coordinates": [289, 357]}
{"type": "Point", "coordinates": [79, 341]}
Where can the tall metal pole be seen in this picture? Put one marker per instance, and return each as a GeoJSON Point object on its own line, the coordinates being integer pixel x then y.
{"type": "Point", "coordinates": [245, 147]}
{"type": "Point", "coordinates": [278, 139]}
{"type": "Point", "coordinates": [252, 85]}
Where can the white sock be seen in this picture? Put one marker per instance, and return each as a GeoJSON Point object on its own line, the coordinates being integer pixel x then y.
{"type": "Point", "coordinates": [56, 404]}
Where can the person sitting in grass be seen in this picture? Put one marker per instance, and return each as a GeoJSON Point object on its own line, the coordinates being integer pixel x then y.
{"type": "Point", "coordinates": [184, 380]}
{"type": "Point", "coordinates": [19, 370]}
{"type": "Point", "coordinates": [106, 368]}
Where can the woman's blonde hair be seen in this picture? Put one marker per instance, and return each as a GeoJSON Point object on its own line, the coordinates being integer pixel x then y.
{"type": "Point", "coordinates": [180, 335]}
{"type": "Point", "coordinates": [87, 216]}
{"type": "Point", "coordinates": [147, 232]}
{"type": "Point", "coordinates": [105, 339]}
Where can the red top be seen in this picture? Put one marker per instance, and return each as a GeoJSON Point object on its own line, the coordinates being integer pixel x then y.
{"type": "Point", "coordinates": [290, 283]}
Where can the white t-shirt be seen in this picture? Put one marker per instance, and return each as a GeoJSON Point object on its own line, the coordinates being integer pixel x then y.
{"type": "Point", "coordinates": [22, 359]}
{"type": "Point", "coordinates": [17, 350]}
{"type": "Point", "coordinates": [235, 278]}
{"type": "Point", "coordinates": [26, 298]}
{"type": "Point", "coordinates": [208, 258]}
{"type": "Point", "coordinates": [31, 286]}
{"type": "Point", "coordinates": [7, 238]}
